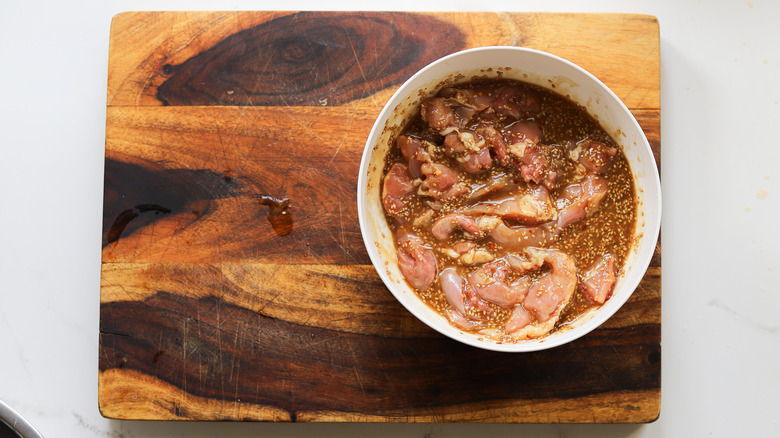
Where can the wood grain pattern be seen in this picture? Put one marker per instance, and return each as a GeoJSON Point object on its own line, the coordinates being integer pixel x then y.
{"type": "Point", "coordinates": [285, 291]}
{"type": "Point", "coordinates": [208, 314]}
{"type": "Point", "coordinates": [202, 348]}
{"type": "Point", "coordinates": [308, 58]}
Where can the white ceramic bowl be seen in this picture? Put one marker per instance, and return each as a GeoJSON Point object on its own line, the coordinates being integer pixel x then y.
{"type": "Point", "coordinates": [548, 71]}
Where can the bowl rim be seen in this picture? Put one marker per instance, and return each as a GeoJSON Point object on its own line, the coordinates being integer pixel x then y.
{"type": "Point", "coordinates": [538, 344]}
{"type": "Point", "coordinates": [17, 423]}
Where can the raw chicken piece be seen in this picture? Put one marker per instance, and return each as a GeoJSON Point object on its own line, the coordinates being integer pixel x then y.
{"type": "Point", "coordinates": [437, 114]}
{"type": "Point", "coordinates": [584, 199]}
{"type": "Point", "coordinates": [416, 261]}
{"type": "Point", "coordinates": [537, 165]}
{"type": "Point", "coordinates": [515, 238]}
{"type": "Point", "coordinates": [599, 280]}
{"type": "Point", "coordinates": [458, 320]}
{"type": "Point", "coordinates": [596, 156]}
{"type": "Point", "coordinates": [452, 286]}
{"type": "Point", "coordinates": [443, 228]}
{"type": "Point", "coordinates": [519, 319]}
{"type": "Point", "coordinates": [489, 282]}
{"type": "Point", "coordinates": [477, 162]}
{"type": "Point", "coordinates": [469, 149]}
{"type": "Point", "coordinates": [396, 189]}
{"type": "Point", "coordinates": [531, 207]}
{"type": "Point", "coordinates": [494, 184]}
{"type": "Point", "coordinates": [495, 141]}
{"type": "Point", "coordinates": [440, 182]}
{"type": "Point", "coordinates": [522, 134]}
{"type": "Point", "coordinates": [414, 153]}
{"type": "Point", "coordinates": [512, 102]}
{"type": "Point", "coordinates": [478, 99]}
{"type": "Point", "coordinates": [547, 296]}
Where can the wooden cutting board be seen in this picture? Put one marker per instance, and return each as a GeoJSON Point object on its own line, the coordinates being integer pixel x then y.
{"type": "Point", "coordinates": [208, 313]}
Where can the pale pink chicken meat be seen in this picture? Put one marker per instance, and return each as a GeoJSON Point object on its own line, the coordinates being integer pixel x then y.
{"type": "Point", "coordinates": [489, 282]}
{"type": "Point", "coordinates": [453, 108]}
{"type": "Point", "coordinates": [599, 280]}
{"type": "Point", "coordinates": [583, 200]}
{"type": "Point", "coordinates": [475, 301]}
{"type": "Point", "coordinates": [530, 207]}
{"type": "Point", "coordinates": [546, 297]}
{"type": "Point", "coordinates": [537, 165]}
{"type": "Point", "coordinates": [522, 133]}
{"type": "Point", "coordinates": [437, 114]}
{"type": "Point", "coordinates": [478, 99]}
{"type": "Point", "coordinates": [416, 261]}
{"type": "Point", "coordinates": [495, 141]}
{"type": "Point", "coordinates": [518, 319]}
{"type": "Point", "coordinates": [507, 101]}
{"type": "Point", "coordinates": [490, 276]}
{"type": "Point", "coordinates": [596, 156]}
{"type": "Point", "coordinates": [515, 238]}
{"type": "Point", "coordinates": [464, 114]}
{"type": "Point", "coordinates": [414, 153]}
{"type": "Point", "coordinates": [477, 162]}
{"type": "Point", "coordinates": [534, 159]}
{"type": "Point", "coordinates": [454, 143]}
{"type": "Point", "coordinates": [539, 301]}
{"type": "Point", "coordinates": [396, 190]}
{"type": "Point", "coordinates": [500, 182]}
{"type": "Point", "coordinates": [443, 228]}
{"type": "Point", "coordinates": [408, 146]}
{"type": "Point", "coordinates": [463, 247]}
{"type": "Point", "coordinates": [513, 102]}
{"type": "Point", "coordinates": [439, 181]}
{"type": "Point", "coordinates": [469, 149]}
{"type": "Point", "coordinates": [549, 294]}
{"type": "Point", "coordinates": [460, 321]}
{"type": "Point", "coordinates": [452, 286]}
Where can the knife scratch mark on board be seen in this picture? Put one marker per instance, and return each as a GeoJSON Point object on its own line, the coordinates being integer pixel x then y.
{"type": "Point", "coordinates": [350, 119]}
{"type": "Point", "coordinates": [513, 30]}
{"type": "Point", "coordinates": [379, 360]}
{"type": "Point", "coordinates": [268, 302]}
{"type": "Point", "coordinates": [219, 347]}
{"type": "Point", "coordinates": [342, 247]}
{"type": "Point", "coordinates": [308, 128]}
{"type": "Point", "coordinates": [200, 355]}
{"type": "Point", "coordinates": [343, 244]}
{"type": "Point", "coordinates": [237, 393]}
{"type": "Point", "coordinates": [222, 144]}
{"type": "Point", "coordinates": [160, 352]}
{"type": "Point", "coordinates": [233, 363]}
{"type": "Point", "coordinates": [294, 152]}
{"type": "Point", "coordinates": [355, 362]}
{"type": "Point", "coordinates": [372, 94]}
{"type": "Point", "coordinates": [184, 364]}
{"type": "Point", "coordinates": [130, 296]}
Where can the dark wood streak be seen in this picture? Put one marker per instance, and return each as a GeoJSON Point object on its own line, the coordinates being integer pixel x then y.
{"type": "Point", "coordinates": [120, 223]}
{"type": "Point", "coordinates": [325, 230]}
{"type": "Point", "coordinates": [310, 59]}
{"type": "Point", "coordinates": [133, 189]}
{"type": "Point", "coordinates": [213, 349]}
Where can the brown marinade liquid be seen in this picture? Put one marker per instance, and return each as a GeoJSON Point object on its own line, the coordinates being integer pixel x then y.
{"type": "Point", "coordinates": [609, 230]}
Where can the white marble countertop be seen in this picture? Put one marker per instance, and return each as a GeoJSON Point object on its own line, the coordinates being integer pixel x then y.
{"type": "Point", "coordinates": [720, 66]}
